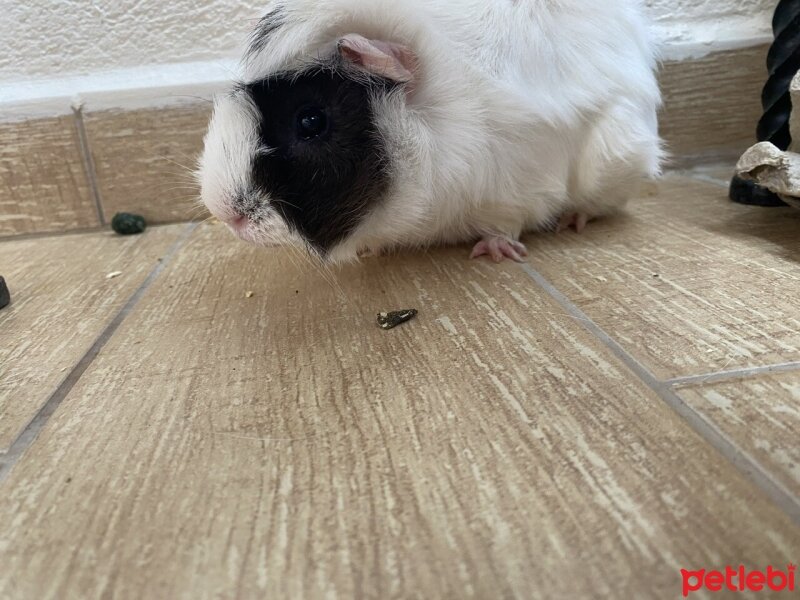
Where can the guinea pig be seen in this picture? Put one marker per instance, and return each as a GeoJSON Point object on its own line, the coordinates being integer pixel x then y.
{"type": "Point", "coordinates": [365, 125]}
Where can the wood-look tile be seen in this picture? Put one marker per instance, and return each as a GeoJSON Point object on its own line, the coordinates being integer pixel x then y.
{"type": "Point", "coordinates": [712, 104]}
{"type": "Point", "coordinates": [762, 415]}
{"type": "Point", "coordinates": [283, 446]}
{"type": "Point", "coordinates": [61, 301]}
{"type": "Point", "coordinates": [43, 184]}
{"type": "Point", "coordinates": [719, 173]}
{"type": "Point", "coordinates": [142, 159]}
{"type": "Point", "coordinates": [688, 282]}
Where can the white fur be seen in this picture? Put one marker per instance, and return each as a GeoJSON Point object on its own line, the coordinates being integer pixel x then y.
{"type": "Point", "coordinates": [225, 170]}
{"type": "Point", "coordinates": [230, 145]}
{"type": "Point", "coordinates": [521, 110]}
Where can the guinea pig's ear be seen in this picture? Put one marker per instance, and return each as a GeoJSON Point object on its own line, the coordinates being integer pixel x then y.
{"type": "Point", "coordinates": [384, 59]}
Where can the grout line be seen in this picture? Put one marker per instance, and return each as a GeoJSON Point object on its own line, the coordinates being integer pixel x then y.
{"type": "Point", "coordinates": [38, 235]}
{"type": "Point", "coordinates": [88, 162]}
{"type": "Point", "coordinates": [733, 374]}
{"type": "Point", "coordinates": [28, 436]}
{"type": "Point", "coordinates": [17, 237]}
{"type": "Point", "coordinates": [746, 464]}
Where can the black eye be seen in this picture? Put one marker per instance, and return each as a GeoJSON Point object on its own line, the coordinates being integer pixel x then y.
{"type": "Point", "coordinates": [311, 123]}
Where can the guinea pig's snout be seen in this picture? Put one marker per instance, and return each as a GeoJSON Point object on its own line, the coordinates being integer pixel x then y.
{"type": "Point", "coordinates": [234, 217]}
{"type": "Point", "coordinates": [238, 221]}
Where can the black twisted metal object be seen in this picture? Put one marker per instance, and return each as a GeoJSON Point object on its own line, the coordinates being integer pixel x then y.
{"type": "Point", "coordinates": [783, 62]}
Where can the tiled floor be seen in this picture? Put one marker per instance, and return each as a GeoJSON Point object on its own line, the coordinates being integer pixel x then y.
{"type": "Point", "coordinates": [625, 405]}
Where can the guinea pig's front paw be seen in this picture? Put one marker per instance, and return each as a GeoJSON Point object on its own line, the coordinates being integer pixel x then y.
{"type": "Point", "coordinates": [372, 252]}
{"type": "Point", "coordinates": [499, 248]}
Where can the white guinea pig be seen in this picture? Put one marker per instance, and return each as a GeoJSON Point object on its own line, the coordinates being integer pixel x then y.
{"type": "Point", "coordinates": [363, 125]}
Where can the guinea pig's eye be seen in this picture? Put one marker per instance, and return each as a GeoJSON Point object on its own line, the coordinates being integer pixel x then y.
{"type": "Point", "coordinates": [311, 123]}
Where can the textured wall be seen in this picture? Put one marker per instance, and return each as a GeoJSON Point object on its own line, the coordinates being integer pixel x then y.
{"type": "Point", "coordinates": [686, 10]}
{"type": "Point", "coordinates": [52, 38]}
{"type": "Point", "coordinates": [709, 21]}
{"type": "Point", "coordinates": [57, 37]}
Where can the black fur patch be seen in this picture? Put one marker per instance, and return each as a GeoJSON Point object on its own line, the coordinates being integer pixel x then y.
{"type": "Point", "coordinates": [323, 185]}
{"type": "Point", "coordinates": [268, 25]}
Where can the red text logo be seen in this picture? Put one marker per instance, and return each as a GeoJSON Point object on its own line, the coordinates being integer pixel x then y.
{"type": "Point", "coordinates": [739, 580]}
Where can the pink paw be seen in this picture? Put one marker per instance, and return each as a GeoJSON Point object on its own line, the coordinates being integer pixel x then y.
{"type": "Point", "coordinates": [500, 248]}
{"type": "Point", "coordinates": [371, 253]}
{"type": "Point", "coordinates": [576, 220]}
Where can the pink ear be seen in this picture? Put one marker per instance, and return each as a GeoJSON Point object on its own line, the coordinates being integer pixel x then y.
{"type": "Point", "coordinates": [384, 59]}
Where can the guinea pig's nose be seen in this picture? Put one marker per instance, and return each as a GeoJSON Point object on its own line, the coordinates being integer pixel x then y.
{"type": "Point", "coordinates": [237, 221]}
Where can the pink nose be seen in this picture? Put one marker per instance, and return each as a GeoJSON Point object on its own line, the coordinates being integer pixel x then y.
{"type": "Point", "coordinates": [237, 221]}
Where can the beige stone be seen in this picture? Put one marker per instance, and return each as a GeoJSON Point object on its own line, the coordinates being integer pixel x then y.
{"type": "Point", "coordinates": [773, 169]}
{"type": "Point", "coordinates": [794, 119]}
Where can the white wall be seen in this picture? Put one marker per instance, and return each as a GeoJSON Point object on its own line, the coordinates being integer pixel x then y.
{"type": "Point", "coordinates": [63, 47]}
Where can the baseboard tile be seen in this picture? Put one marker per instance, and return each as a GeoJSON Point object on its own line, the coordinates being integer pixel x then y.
{"type": "Point", "coordinates": [141, 153]}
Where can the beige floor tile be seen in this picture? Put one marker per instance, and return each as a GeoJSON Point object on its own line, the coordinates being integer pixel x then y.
{"type": "Point", "coordinates": [42, 178]}
{"type": "Point", "coordinates": [143, 157]}
{"type": "Point", "coordinates": [762, 415]}
{"type": "Point", "coordinates": [282, 446]}
{"type": "Point", "coordinates": [61, 302]}
{"type": "Point", "coordinates": [719, 173]}
{"type": "Point", "coordinates": [687, 282]}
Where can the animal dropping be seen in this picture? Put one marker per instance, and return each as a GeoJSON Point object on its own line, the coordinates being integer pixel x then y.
{"type": "Point", "coordinates": [5, 295]}
{"type": "Point", "coordinates": [390, 320]}
{"type": "Point", "coordinates": [128, 224]}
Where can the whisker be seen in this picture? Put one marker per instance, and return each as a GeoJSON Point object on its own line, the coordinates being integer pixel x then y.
{"type": "Point", "coordinates": [186, 188]}
{"type": "Point", "coordinates": [175, 162]}
{"type": "Point", "coordinates": [191, 158]}
{"type": "Point", "coordinates": [287, 203]}
{"type": "Point", "coordinates": [324, 271]}
{"type": "Point", "coordinates": [178, 177]}
{"type": "Point", "coordinates": [210, 101]}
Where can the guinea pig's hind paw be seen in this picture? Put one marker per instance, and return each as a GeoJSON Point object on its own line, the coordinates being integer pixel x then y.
{"type": "Point", "coordinates": [576, 220]}
{"type": "Point", "coordinates": [499, 248]}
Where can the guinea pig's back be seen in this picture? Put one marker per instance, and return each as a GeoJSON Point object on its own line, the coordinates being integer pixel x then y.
{"type": "Point", "coordinates": [573, 54]}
